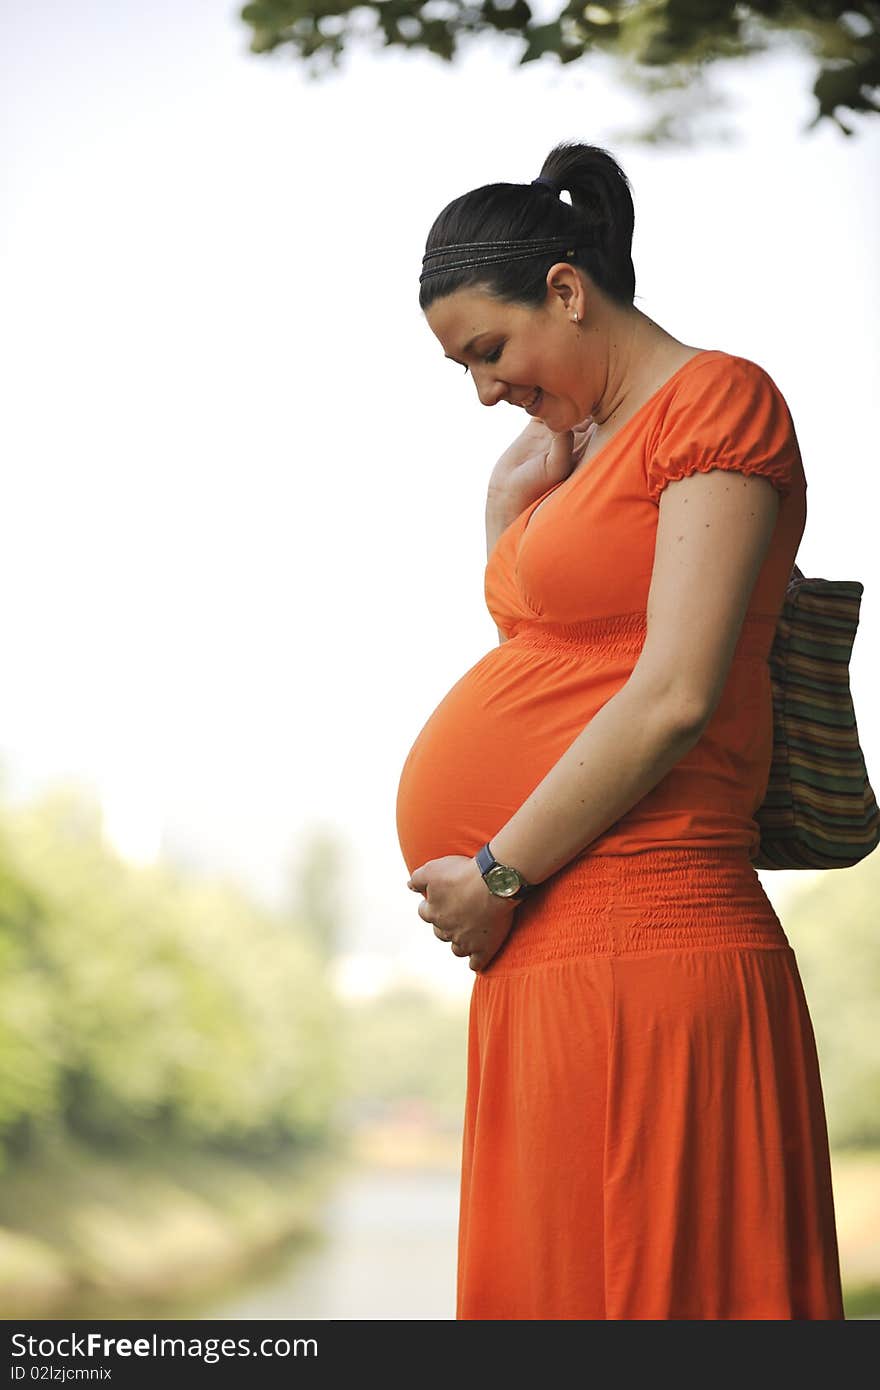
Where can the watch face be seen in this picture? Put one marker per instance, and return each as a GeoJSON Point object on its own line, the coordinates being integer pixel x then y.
{"type": "Point", "coordinates": [503, 881]}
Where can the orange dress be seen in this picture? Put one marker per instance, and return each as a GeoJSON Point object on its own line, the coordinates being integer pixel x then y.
{"type": "Point", "coordinates": [644, 1128]}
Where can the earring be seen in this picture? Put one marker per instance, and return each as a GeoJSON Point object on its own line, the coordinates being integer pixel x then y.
{"type": "Point", "coordinates": [575, 318]}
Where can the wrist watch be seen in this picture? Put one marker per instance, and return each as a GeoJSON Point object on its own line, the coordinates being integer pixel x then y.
{"type": "Point", "coordinates": [500, 879]}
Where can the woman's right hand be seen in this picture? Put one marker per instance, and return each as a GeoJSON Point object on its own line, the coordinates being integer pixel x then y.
{"type": "Point", "coordinates": [537, 460]}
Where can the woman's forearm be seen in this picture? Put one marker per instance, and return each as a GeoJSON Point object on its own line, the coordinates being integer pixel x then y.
{"type": "Point", "coordinates": [498, 519]}
{"type": "Point", "coordinates": [621, 755]}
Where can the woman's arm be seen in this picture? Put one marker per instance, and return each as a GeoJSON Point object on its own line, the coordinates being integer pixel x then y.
{"type": "Point", "coordinates": [498, 519]}
{"type": "Point", "coordinates": [713, 533]}
{"type": "Point", "coordinates": [621, 755]}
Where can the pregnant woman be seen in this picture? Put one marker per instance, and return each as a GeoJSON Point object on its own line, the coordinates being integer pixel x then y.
{"type": "Point", "coordinates": [644, 1130]}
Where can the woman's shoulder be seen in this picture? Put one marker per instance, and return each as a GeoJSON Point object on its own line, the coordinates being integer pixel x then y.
{"type": "Point", "coordinates": [724, 389]}
{"type": "Point", "coordinates": [710, 366]}
{"type": "Point", "coordinates": [725, 411]}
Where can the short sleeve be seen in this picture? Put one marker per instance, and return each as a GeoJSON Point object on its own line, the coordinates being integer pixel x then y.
{"type": "Point", "coordinates": [728, 413]}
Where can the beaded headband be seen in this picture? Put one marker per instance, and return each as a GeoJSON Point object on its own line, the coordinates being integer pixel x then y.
{"type": "Point", "coordinates": [491, 252]}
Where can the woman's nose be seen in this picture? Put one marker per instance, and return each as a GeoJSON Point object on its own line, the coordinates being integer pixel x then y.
{"type": "Point", "coordinates": [490, 392]}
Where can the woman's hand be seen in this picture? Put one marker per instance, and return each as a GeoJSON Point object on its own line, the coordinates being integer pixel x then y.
{"type": "Point", "coordinates": [535, 461]}
{"type": "Point", "coordinates": [463, 911]}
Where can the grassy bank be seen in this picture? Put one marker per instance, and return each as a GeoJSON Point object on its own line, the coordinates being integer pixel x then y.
{"type": "Point", "coordinates": [83, 1234]}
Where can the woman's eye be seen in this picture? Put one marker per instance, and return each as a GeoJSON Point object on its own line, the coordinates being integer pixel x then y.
{"type": "Point", "coordinates": [491, 357]}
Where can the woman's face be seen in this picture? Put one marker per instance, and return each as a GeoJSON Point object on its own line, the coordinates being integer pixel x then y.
{"type": "Point", "coordinates": [514, 352]}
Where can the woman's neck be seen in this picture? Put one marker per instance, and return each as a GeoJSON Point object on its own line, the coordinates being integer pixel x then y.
{"type": "Point", "coordinates": [641, 356]}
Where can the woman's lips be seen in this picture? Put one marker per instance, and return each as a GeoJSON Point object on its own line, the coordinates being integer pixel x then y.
{"type": "Point", "coordinates": [533, 408]}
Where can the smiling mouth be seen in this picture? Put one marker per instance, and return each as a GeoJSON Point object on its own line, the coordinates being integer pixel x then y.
{"type": "Point", "coordinates": [533, 400]}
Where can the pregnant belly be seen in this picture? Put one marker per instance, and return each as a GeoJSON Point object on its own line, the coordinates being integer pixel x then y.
{"type": "Point", "coordinates": [489, 743]}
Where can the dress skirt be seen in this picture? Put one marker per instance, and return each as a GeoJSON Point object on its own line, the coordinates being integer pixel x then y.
{"type": "Point", "coordinates": [644, 1131]}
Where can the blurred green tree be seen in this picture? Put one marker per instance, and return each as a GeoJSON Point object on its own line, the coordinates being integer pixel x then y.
{"type": "Point", "coordinates": [406, 1045]}
{"type": "Point", "coordinates": [136, 1003]}
{"type": "Point", "coordinates": [832, 924]}
{"type": "Point", "coordinates": [659, 44]}
{"type": "Point", "coordinates": [29, 1064]}
{"type": "Point", "coordinates": [315, 895]}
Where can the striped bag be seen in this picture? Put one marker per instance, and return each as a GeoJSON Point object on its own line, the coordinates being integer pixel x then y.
{"type": "Point", "coordinates": [819, 811]}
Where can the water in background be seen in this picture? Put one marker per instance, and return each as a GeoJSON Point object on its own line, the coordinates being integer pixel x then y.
{"type": "Point", "coordinates": [388, 1253]}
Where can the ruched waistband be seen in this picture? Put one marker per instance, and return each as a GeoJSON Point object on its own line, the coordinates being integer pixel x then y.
{"type": "Point", "coordinates": [625, 633]}
{"type": "Point", "coordinates": [660, 900]}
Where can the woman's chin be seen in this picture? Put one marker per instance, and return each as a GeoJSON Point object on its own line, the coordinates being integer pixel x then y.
{"type": "Point", "coordinates": [554, 419]}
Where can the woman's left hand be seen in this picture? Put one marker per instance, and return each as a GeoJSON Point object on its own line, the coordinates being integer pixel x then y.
{"type": "Point", "coordinates": [463, 911]}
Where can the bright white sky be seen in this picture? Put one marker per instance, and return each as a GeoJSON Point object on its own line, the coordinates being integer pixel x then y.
{"type": "Point", "coordinates": [243, 547]}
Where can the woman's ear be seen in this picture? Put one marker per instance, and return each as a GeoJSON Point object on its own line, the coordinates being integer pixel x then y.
{"type": "Point", "coordinates": [564, 281]}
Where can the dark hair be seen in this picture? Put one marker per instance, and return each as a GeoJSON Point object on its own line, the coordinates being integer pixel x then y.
{"type": "Point", "coordinates": [598, 224]}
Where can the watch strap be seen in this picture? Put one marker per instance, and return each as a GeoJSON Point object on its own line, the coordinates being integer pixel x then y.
{"type": "Point", "coordinates": [486, 860]}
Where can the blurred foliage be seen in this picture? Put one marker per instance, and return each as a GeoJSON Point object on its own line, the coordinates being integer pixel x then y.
{"type": "Point", "coordinates": [315, 892]}
{"type": "Point", "coordinates": [658, 44]}
{"type": "Point", "coordinates": [136, 1004]}
{"type": "Point", "coordinates": [832, 925]}
{"type": "Point", "coordinates": [406, 1045]}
